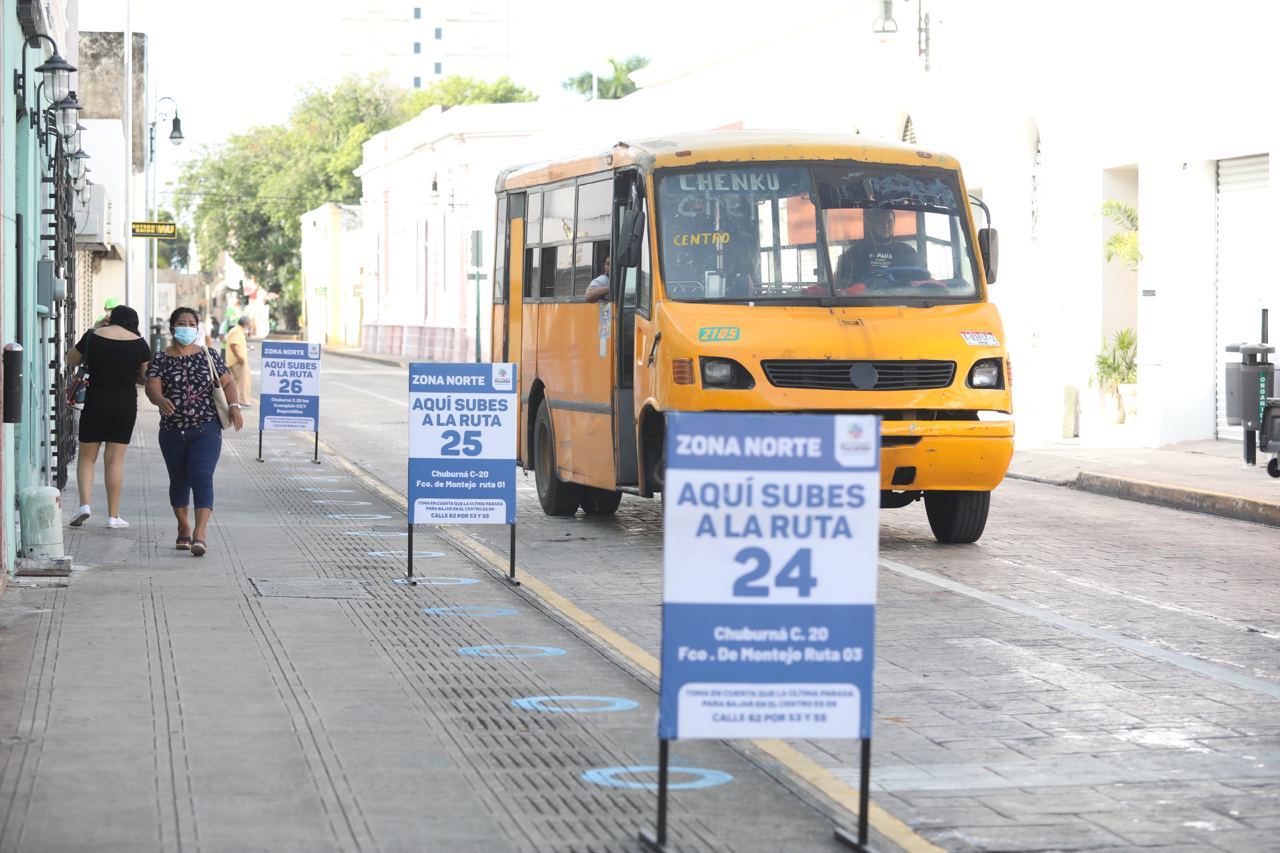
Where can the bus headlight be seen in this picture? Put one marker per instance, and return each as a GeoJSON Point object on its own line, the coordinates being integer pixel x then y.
{"type": "Point", "coordinates": [987, 373]}
{"type": "Point", "coordinates": [725, 373]}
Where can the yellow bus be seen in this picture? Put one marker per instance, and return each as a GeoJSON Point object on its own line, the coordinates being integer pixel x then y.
{"type": "Point", "coordinates": [752, 271]}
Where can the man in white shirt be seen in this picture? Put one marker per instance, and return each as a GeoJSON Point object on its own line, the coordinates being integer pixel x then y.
{"type": "Point", "coordinates": [599, 287]}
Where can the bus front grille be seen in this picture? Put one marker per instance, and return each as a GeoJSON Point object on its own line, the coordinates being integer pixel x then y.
{"type": "Point", "coordinates": [827, 375]}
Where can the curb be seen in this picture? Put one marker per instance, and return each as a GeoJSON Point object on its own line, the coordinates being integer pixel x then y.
{"type": "Point", "coordinates": [368, 356]}
{"type": "Point", "coordinates": [1181, 497]}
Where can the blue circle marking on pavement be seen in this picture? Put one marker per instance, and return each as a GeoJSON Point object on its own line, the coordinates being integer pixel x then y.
{"type": "Point", "coordinates": [608, 777]}
{"type": "Point", "coordinates": [435, 581]}
{"type": "Point", "coordinates": [430, 555]}
{"type": "Point", "coordinates": [343, 503]}
{"type": "Point", "coordinates": [480, 612]}
{"type": "Point", "coordinates": [574, 704]}
{"type": "Point", "coordinates": [345, 516]}
{"type": "Point", "coordinates": [399, 533]}
{"type": "Point", "coordinates": [513, 650]}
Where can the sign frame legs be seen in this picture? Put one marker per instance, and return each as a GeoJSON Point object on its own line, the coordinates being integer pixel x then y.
{"type": "Point", "coordinates": [260, 459]}
{"type": "Point", "coordinates": [657, 839]}
{"type": "Point", "coordinates": [864, 804]}
{"type": "Point", "coordinates": [315, 457]}
{"type": "Point", "coordinates": [511, 571]}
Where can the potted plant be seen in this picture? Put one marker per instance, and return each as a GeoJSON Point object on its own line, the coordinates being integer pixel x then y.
{"type": "Point", "coordinates": [1116, 369]}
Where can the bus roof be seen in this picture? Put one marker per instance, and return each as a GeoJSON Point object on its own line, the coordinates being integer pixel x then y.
{"type": "Point", "coordinates": [720, 146]}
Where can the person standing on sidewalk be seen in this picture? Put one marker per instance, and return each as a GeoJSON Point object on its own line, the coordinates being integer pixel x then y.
{"type": "Point", "coordinates": [180, 381]}
{"type": "Point", "coordinates": [238, 358]}
{"type": "Point", "coordinates": [117, 356]}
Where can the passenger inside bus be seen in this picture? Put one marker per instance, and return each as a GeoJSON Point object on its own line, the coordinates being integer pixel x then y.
{"type": "Point", "coordinates": [599, 287]}
{"type": "Point", "coordinates": [877, 258]}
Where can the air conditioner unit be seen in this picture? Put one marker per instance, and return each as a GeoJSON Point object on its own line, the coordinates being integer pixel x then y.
{"type": "Point", "coordinates": [93, 221]}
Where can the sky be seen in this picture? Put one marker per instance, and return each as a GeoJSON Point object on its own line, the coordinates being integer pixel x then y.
{"type": "Point", "coordinates": [234, 64]}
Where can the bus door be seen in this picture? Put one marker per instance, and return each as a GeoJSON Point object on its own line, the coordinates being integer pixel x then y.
{"type": "Point", "coordinates": [576, 347]}
{"type": "Point", "coordinates": [627, 210]}
{"type": "Point", "coordinates": [508, 286]}
{"type": "Point", "coordinates": [527, 351]}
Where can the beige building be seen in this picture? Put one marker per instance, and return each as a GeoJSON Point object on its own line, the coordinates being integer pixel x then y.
{"type": "Point", "coordinates": [332, 275]}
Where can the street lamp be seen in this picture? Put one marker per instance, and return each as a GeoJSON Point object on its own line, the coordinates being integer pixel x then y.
{"type": "Point", "coordinates": [166, 109]}
{"type": "Point", "coordinates": [66, 115]}
{"type": "Point", "coordinates": [76, 164]}
{"type": "Point", "coordinates": [55, 70]}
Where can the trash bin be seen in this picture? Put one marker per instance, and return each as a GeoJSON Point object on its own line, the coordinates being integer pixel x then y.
{"type": "Point", "coordinates": [40, 511]}
{"type": "Point", "coordinates": [1249, 383]}
{"type": "Point", "coordinates": [1256, 383]}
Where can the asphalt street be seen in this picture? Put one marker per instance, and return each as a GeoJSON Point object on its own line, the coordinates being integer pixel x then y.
{"type": "Point", "coordinates": [1094, 673]}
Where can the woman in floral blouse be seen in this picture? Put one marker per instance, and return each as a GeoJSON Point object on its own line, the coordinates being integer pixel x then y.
{"type": "Point", "coordinates": [180, 383]}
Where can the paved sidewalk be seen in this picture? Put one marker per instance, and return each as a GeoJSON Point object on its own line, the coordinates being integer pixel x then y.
{"type": "Point", "coordinates": [1202, 476]}
{"type": "Point", "coordinates": [282, 693]}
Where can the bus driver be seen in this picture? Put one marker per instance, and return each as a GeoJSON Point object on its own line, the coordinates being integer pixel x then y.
{"type": "Point", "coordinates": [876, 251]}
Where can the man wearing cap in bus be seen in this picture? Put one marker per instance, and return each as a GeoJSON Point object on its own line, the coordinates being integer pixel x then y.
{"type": "Point", "coordinates": [876, 252]}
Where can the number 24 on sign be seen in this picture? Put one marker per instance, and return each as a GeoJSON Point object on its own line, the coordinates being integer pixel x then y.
{"type": "Point", "coordinates": [796, 572]}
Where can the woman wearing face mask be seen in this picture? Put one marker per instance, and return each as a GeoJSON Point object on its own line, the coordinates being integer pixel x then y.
{"type": "Point", "coordinates": [180, 383]}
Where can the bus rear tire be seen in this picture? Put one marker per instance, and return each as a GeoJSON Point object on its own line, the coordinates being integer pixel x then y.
{"type": "Point", "coordinates": [556, 496]}
{"type": "Point", "coordinates": [957, 518]}
{"type": "Point", "coordinates": [600, 501]}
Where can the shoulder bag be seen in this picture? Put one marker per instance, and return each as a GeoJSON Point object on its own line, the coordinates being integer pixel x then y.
{"type": "Point", "coordinates": [78, 382]}
{"type": "Point", "coordinates": [219, 396]}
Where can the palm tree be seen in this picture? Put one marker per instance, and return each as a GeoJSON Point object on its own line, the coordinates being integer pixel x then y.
{"type": "Point", "coordinates": [617, 86]}
{"type": "Point", "coordinates": [1124, 243]}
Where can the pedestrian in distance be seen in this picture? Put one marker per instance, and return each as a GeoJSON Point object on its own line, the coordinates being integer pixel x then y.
{"type": "Point", "coordinates": [181, 382]}
{"type": "Point", "coordinates": [237, 346]}
{"type": "Point", "coordinates": [116, 356]}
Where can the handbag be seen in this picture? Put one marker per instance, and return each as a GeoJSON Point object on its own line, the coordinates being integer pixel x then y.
{"type": "Point", "coordinates": [78, 382]}
{"type": "Point", "coordinates": [219, 396]}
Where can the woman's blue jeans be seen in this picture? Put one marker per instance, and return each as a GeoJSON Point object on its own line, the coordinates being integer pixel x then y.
{"type": "Point", "coordinates": [191, 455]}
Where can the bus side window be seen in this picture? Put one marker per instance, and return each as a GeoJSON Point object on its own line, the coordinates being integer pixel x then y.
{"type": "Point", "coordinates": [502, 245]}
{"type": "Point", "coordinates": [644, 284]}
{"type": "Point", "coordinates": [531, 270]}
{"type": "Point", "coordinates": [595, 204]}
{"type": "Point", "coordinates": [547, 288]}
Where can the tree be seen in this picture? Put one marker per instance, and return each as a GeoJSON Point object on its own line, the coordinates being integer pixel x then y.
{"type": "Point", "coordinates": [618, 85]}
{"type": "Point", "coordinates": [173, 254]}
{"type": "Point", "coordinates": [1123, 244]}
{"type": "Point", "coordinates": [247, 196]}
{"type": "Point", "coordinates": [456, 91]}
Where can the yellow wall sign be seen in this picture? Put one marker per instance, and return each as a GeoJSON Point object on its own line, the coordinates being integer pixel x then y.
{"type": "Point", "coordinates": [156, 230]}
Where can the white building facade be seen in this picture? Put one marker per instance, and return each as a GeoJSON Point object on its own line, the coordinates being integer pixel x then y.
{"type": "Point", "coordinates": [418, 43]}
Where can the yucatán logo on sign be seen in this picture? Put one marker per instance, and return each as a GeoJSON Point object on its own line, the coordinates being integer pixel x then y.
{"type": "Point", "coordinates": [462, 443]}
{"type": "Point", "coordinates": [290, 383]}
{"type": "Point", "coordinates": [771, 541]}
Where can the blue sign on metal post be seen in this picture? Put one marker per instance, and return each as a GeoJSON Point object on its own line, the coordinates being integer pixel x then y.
{"type": "Point", "coordinates": [771, 544]}
{"type": "Point", "coordinates": [290, 387]}
{"type": "Point", "coordinates": [462, 443]}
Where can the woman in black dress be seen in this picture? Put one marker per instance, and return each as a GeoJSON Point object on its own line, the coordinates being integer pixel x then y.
{"type": "Point", "coordinates": [116, 357]}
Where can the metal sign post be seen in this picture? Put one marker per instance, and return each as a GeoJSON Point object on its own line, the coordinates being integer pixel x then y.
{"type": "Point", "coordinates": [462, 448]}
{"type": "Point", "coordinates": [771, 542]}
{"type": "Point", "coordinates": [290, 395]}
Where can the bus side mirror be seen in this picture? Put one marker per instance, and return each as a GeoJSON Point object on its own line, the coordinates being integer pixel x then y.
{"type": "Point", "coordinates": [989, 246]}
{"type": "Point", "coordinates": [630, 233]}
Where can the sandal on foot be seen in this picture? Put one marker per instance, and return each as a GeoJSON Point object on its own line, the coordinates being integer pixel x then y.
{"type": "Point", "coordinates": [183, 543]}
{"type": "Point", "coordinates": [198, 548]}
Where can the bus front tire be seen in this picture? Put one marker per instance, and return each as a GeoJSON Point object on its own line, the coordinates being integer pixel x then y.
{"type": "Point", "coordinates": [957, 518]}
{"type": "Point", "coordinates": [556, 496]}
{"type": "Point", "coordinates": [600, 501]}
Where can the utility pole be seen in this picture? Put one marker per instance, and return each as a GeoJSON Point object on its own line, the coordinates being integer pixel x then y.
{"type": "Point", "coordinates": [126, 92]}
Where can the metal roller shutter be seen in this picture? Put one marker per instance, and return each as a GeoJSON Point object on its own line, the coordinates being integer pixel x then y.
{"type": "Point", "coordinates": [1243, 274]}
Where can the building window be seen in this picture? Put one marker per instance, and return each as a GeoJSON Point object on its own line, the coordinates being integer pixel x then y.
{"type": "Point", "coordinates": [417, 82]}
{"type": "Point", "coordinates": [439, 68]}
{"type": "Point", "coordinates": [439, 33]}
{"type": "Point", "coordinates": [417, 47]}
{"type": "Point", "coordinates": [417, 13]}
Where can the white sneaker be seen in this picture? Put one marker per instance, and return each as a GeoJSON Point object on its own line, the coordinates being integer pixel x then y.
{"type": "Point", "coordinates": [81, 516]}
{"type": "Point", "coordinates": [117, 523]}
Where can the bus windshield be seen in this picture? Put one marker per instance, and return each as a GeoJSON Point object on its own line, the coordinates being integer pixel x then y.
{"type": "Point", "coordinates": [828, 233]}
